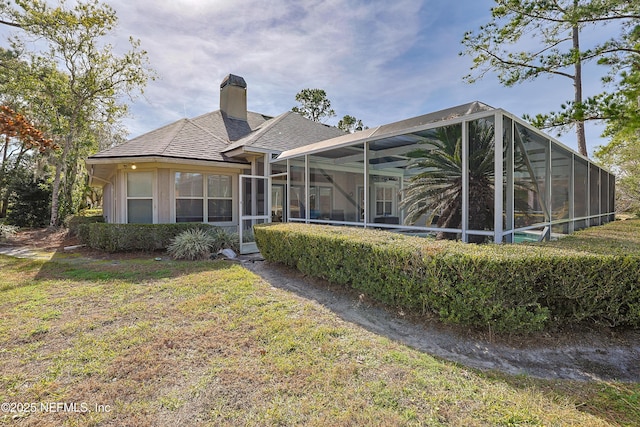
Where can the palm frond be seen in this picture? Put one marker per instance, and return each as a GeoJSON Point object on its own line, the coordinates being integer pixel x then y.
{"type": "Point", "coordinates": [436, 189]}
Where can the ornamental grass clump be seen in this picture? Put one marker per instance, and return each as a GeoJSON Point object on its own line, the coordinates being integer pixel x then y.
{"type": "Point", "coordinates": [194, 244]}
{"type": "Point", "coordinates": [223, 239]}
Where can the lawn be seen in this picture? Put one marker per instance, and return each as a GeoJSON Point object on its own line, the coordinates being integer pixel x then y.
{"type": "Point", "coordinates": [167, 343]}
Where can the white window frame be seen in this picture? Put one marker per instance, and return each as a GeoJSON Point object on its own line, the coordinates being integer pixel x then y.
{"type": "Point", "coordinates": [205, 196]}
{"type": "Point", "coordinates": [201, 198]}
{"type": "Point", "coordinates": [208, 197]}
{"type": "Point", "coordinates": [393, 199]}
{"type": "Point", "coordinates": [153, 197]}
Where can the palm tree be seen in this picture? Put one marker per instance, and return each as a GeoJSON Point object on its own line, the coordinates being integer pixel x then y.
{"type": "Point", "coordinates": [436, 191]}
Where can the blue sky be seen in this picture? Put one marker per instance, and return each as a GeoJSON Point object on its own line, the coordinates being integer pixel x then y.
{"type": "Point", "coordinates": [380, 61]}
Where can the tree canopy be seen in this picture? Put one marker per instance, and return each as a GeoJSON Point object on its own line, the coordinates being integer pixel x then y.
{"type": "Point", "coordinates": [527, 39]}
{"type": "Point", "coordinates": [350, 124]}
{"type": "Point", "coordinates": [76, 84]}
{"type": "Point", "coordinates": [19, 137]}
{"type": "Point", "coordinates": [622, 153]}
{"type": "Point", "coordinates": [15, 125]}
{"type": "Point", "coordinates": [314, 105]}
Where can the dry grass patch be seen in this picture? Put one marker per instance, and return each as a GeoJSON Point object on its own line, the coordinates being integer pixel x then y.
{"type": "Point", "coordinates": [210, 343]}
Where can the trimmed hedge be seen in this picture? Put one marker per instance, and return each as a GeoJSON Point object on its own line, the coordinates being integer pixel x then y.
{"type": "Point", "coordinates": [133, 237]}
{"type": "Point", "coordinates": [73, 223]}
{"type": "Point", "coordinates": [509, 288]}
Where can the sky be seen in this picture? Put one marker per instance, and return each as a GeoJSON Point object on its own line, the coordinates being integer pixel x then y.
{"type": "Point", "coordinates": [380, 61]}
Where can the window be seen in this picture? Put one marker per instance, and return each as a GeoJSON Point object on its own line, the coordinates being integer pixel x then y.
{"type": "Point", "coordinates": [193, 189]}
{"type": "Point", "coordinates": [140, 197]}
{"type": "Point", "coordinates": [385, 200]}
{"type": "Point", "coordinates": [219, 198]}
{"type": "Point", "coordinates": [189, 197]}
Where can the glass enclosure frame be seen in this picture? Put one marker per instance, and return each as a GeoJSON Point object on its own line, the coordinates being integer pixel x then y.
{"type": "Point", "coordinates": [487, 176]}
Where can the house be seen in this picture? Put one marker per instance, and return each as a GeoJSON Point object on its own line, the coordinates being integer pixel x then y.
{"type": "Point", "coordinates": [214, 168]}
{"type": "Point", "coordinates": [234, 168]}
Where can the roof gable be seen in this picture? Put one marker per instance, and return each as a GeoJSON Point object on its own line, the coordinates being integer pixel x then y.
{"type": "Point", "coordinates": [436, 116]}
{"type": "Point", "coordinates": [285, 132]}
{"type": "Point", "coordinates": [230, 129]}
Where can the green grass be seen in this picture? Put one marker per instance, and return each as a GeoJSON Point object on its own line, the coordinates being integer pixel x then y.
{"type": "Point", "coordinates": [614, 238]}
{"type": "Point", "coordinates": [210, 343]}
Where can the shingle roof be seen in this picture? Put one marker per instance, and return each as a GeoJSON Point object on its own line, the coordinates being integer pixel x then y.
{"type": "Point", "coordinates": [230, 129]}
{"type": "Point", "coordinates": [286, 131]}
{"type": "Point", "coordinates": [210, 135]}
{"type": "Point", "coordinates": [202, 138]}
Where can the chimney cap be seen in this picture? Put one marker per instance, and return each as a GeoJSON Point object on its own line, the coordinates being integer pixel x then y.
{"type": "Point", "coordinates": [233, 80]}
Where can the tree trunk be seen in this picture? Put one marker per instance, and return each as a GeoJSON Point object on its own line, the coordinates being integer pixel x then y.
{"type": "Point", "coordinates": [71, 174]}
{"type": "Point", "coordinates": [577, 83]}
{"type": "Point", "coordinates": [450, 218]}
{"type": "Point", "coordinates": [3, 179]}
{"type": "Point", "coordinates": [55, 191]}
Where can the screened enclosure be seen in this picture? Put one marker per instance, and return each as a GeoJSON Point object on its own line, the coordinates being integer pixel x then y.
{"type": "Point", "coordinates": [472, 172]}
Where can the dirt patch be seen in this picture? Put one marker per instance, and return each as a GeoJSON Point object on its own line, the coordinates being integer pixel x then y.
{"type": "Point", "coordinates": [42, 239]}
{"type": "Point", "coordinates": [581, 354]}
{"type": "Point", "coordinates": [60, 240]}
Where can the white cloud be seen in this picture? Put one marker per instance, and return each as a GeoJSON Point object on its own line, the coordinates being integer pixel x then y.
{"type": "Point", "coordinates": [279, 46]}
{"type": "Point", "coordinates": [377, 60]}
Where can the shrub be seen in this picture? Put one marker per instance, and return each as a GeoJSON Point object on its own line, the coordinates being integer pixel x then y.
{"type": "Point", "coordinates": [133, 237]}
{"type": "Point", "coordinates": [193, 244]}
{"type": "Point", "coordinates": [73, 222]}
{"type": "Point", "coordinates": [478, 285]}
{"type": "Point", "coordinates": [223, 239]}
{"type": "Point", "coordinates": [6, 231]}
{"type": "Point", "coordinates": [91, 212]}
{"type": "Point", "coordinates": [29, 203]}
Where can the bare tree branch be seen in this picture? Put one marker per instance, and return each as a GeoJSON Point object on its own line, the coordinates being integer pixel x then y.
{"type": "Point", "coordinates": [11, 24]}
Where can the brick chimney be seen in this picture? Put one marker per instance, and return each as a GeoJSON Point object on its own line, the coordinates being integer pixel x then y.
{"type": "Point", "coordinates": [233, 97]}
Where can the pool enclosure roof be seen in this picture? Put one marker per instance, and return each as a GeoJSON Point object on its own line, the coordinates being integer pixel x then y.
{"type": "Point", "coordinates": [402, 128]}
{"type": "Point", "coordinates": [473, 171]}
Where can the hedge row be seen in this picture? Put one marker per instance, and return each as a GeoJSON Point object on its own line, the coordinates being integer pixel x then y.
{"type": "Point", "coordinates": [508, 288]}
{"type": "Point", "coordinates": [73, 222]}
{"type": "Point", "coordinates": [133, 237]}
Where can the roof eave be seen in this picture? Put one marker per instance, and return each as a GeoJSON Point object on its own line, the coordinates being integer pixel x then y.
{"type": "Point", "coordinates": [161, 159]}
{"type": "Point", "coordinates": [379, 133]}
{"type": "Point", "coordinates": [244, 151]}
